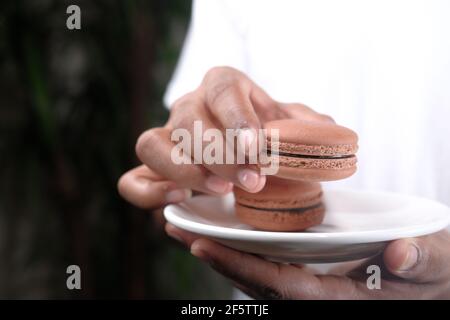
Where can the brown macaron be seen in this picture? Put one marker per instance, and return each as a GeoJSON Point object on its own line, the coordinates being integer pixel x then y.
{"type": "Point", "coordinates": [313, 151]}
{"type": "Point", "coordinates": [282, 205]}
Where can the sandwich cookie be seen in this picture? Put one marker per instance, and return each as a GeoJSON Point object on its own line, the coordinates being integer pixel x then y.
{"type": "Point", "coordinates": [313, 151]}
{"type": "Point", "coordinates": [282, 205]}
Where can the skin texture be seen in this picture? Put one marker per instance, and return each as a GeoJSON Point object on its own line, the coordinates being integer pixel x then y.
{"type": "Point", "coordinates": [227, 98]}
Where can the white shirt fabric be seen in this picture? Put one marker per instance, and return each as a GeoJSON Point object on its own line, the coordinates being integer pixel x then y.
{"type": "Point", "coordinates": [379, 67]}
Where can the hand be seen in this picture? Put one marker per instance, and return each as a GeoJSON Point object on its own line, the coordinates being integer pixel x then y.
{"type": "Point", "coordinates": [226, 98]}
{"type": "Point", "coordinates": [416, 268]}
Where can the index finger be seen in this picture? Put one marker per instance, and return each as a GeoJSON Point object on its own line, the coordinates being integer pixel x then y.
{"type": "Point", "coordinates": [274, 280]}
{"type": "Point", "coordinates": [227, 97]}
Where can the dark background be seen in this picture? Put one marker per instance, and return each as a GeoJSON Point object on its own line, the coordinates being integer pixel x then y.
{"type": "Point", "coordinates": [72, 103]}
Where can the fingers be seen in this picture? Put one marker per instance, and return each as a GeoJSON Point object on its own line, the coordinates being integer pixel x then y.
{"type": "Point", "coordinates": [227, 95]}
{"type": "Point", "coordinates": [247, 270]}
{"type": "Point", "coordinates": [419, 260]}
{"type": "Point", "coordinates": [223, 101]}
{"type": "Point", "coordinates": [190, 115]}
{"type": "Point", "coordinates": [154, 149]}
{"type": "Point", "coordinates": [264, 279]}
{"type": "Point", "coordinates": [145, 189]}
{"type": "Point", "coordinates": [242, 272]}
{"type": "Point", "coordinates": [188, 239]}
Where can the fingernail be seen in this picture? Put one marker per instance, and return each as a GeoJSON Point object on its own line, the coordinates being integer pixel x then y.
{"type": "Point", "coordinates": [199, 253]}
{"type": "Point", "coordinates": [217, 184]}
{"type": "Point", "coordinates": [412, 258]}
{"type": "Point", "coordinates": [178, 195]}
{"type": "Point", "coordinates": [248, 178]}
{"type": "Point", "coordinates": [245, 139]}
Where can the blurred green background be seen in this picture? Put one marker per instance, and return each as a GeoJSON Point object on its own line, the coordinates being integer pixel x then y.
{"type": "Point", "coordinates": [72, 103]}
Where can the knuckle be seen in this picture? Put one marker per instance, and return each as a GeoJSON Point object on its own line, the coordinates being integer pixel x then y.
{"type": "Point", "coordinates": [218, 90]}
{"type": "Point", "coordinates": [219, 72]}
{"type": "Point", "coordinates": [220, 80]}
{"type": "Point", "coordinates": [145, 142]}
{"type": "Point", "coordinates": [238, 117]}
{"type": "Point", "coordinates": [235, 111]}
{"type": "Point", "coordinates": [184, 102]}
{"type": "Point", "coordinates": [177, 106]}
{"type": "Point", "coordinates": [186, 120]}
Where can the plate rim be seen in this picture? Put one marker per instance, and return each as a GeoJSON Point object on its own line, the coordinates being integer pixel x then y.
{"type": "Point", "coordinates": [343, 237]}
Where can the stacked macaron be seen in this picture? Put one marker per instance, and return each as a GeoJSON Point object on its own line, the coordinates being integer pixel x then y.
{"type": "Point", "coordinates": [308, 152]}
{"type": "Point", "coordinates": [282, 205]}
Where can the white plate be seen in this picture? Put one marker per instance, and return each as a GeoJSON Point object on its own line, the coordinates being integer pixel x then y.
{"type": "Point", "coordinates": [357, 225]}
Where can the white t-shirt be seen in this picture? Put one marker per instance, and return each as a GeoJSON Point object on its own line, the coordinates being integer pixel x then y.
{"type": "Point", "coordinates": [379, 67]}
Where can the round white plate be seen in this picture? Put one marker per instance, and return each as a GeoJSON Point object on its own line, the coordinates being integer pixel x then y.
{"type": "Point", "coordinates": [357, 224]}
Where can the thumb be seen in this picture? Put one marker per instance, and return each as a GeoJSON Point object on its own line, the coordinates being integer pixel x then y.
{"type": "Point", "coordinates": [419, 260]}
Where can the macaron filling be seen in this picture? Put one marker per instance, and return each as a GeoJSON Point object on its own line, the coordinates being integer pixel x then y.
{"type": "Point", "coordinates": [310, 156]}
{"type": "Point", "coordinates": [288, 210]}
{"type": "Point", "coordinates": [314, 150]}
